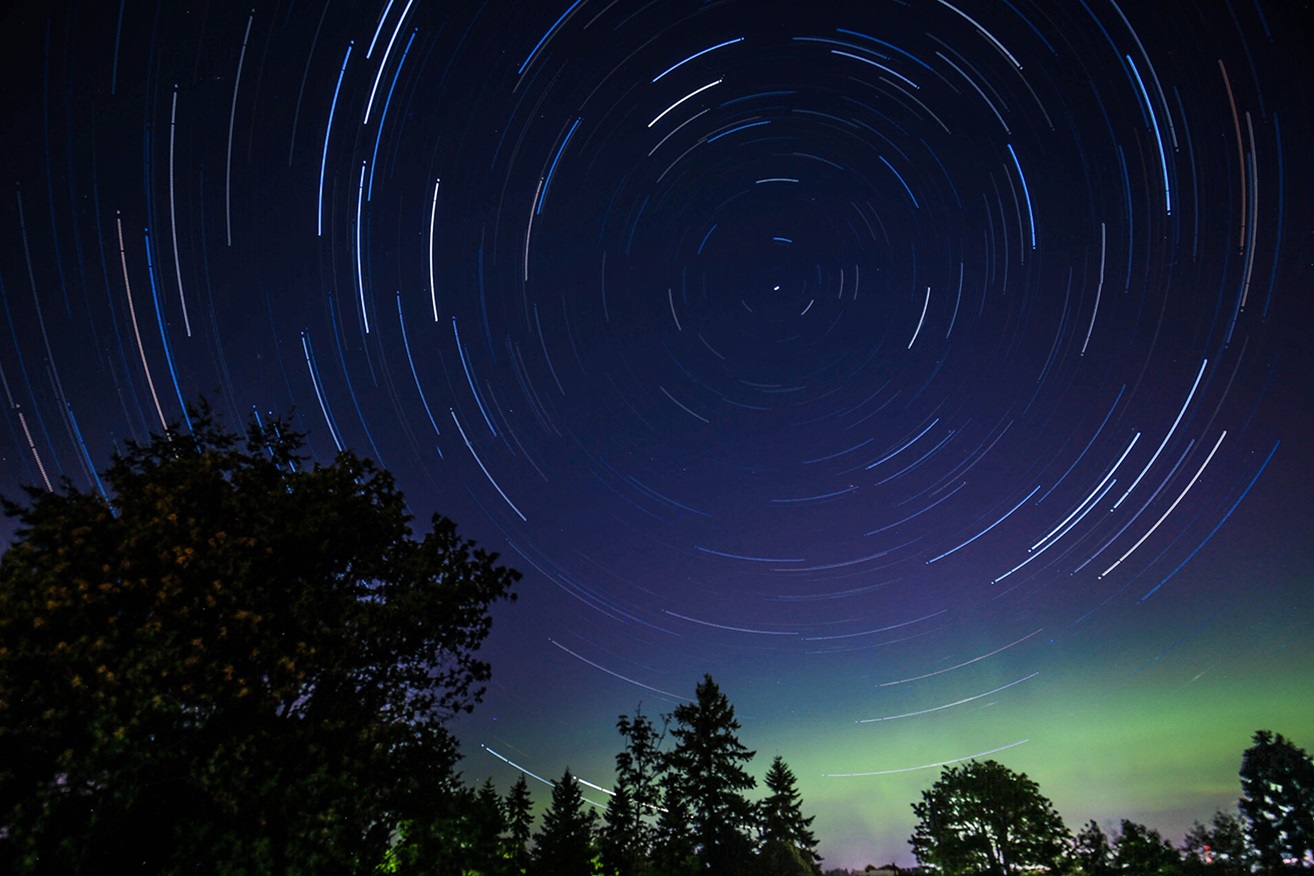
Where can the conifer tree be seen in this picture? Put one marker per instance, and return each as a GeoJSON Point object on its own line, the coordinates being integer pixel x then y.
{"type": "Point", "coordinates": [781, 815]}
{"type": "Point", "coordinates": [707, 775]}
{"type": "Point", "coordinates": [519, 821]}
{"type": "Point", "coordinates": [565, 845]}
{"type": "Point", "coordinates": [1277, 799]}
{"type": "Point", "coordinates": [673, 846]}
{"type": "Point", "coordinates": [485, 823]}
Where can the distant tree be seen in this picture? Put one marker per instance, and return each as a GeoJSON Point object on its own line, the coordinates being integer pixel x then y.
{"type": "Point", "coordinates": [628, 833]}
{"type": "Point", "coordinates": [564, 846]}
{"type": "Point", "coordinates": [237, 661]}
{"type": "Point", "coordinates": [781, 819]}
{"type": "Point", "coordinates": [1092, 852]}
{"type": "Point", "coordinates": [518, 811]}
{"type": "Point", "coordinates": [983, 818]}
{"type": "Point", "coordinates": [1141, 851]}
{"type": "Point", "coordinates": [707, 772]}
{"type": "Point", "coordinates": [1277, 799]}
{"type": "Point", "coordinates": [1219, 848]}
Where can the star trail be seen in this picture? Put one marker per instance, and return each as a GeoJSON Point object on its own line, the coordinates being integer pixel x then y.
{"type": "Point", "coordinates": [935, 375]}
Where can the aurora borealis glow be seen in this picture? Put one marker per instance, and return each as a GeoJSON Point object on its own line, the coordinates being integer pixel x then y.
{"type": "Point", "coordinates": [936, 375]}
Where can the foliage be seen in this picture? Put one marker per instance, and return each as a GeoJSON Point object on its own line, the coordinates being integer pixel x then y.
{"type": "Point", "coordinates": [1277, 799]}
{"type": "Point", "coordinates": [236, 659]}
{"type": "Point", "coordinates": [565, 844]}
{"type": "Point", "coordinates": [707, 773]}
{"type": "Point", "coordinates": [982, 818]}
{"type": "Point", "coordinates": [779, 858]}
{"type": "Point", "coordinates": [1141, 851]}
{"type": "Point", "coordinates": [1220, 848]}
{"type": "Point", "coordinates": [781, 818]}
{"type": "Point", "coordinates": [628, 835]}
{"type": "Point", "coordinates": [1091, 851]}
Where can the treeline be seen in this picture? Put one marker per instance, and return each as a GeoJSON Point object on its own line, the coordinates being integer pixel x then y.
{"type": "Point", "coordinates": [676, 810]}
{"type": "Point", "coordinates": [982, 818]}
{"type": "Point", "coordinates": [225, 659]}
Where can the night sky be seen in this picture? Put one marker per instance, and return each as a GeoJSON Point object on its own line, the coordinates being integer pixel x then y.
{"type": "Point", "coordinates": [935, 375]}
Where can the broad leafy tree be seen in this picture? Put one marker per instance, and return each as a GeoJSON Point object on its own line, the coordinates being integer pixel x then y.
{"type": "Point", "coordinates": [707, 772]}
{"type": "Point", "coordinates": [1092, 852]}
{"type": "Point", "coordinates": [983, 818]}
{"type": "Point", "coordinates": [628, 831]}
{"type": "Point", "coordinates": [1141, 851]}
{"type": "Point", "coordinates": [781, 820]}
{"type": "Point", "coordinates": [1277, 799]}
{"type": "Point", "coordinates": [237, 660]}
{"type": "Point", "coordinates": [564, 846]}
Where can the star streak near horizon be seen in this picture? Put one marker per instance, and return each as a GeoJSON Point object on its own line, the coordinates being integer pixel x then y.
{"type": "Point", "coordinates": [873, 357]}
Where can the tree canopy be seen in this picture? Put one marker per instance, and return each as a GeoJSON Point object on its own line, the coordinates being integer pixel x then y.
{"type": "Point", "coordinates": [983, 818]}
{"type": "Point", "coordinates": [233, 657]}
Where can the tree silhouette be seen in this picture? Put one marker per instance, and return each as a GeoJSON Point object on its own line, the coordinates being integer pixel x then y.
{"type": "Point", "coordinates": [1220, 848]}
{"type": "Point", "coordinates": [628, 834]}
{"type": "Point", "coordinates": [781, 818]}
{"type": "Point", "coordinates": [564, 846]}
{"type": "Point", "coordinates": [674, 852]}
{"type": "Point", "coordinates": [1092, 852]}
{"type": "Point", "coordinates": [1277, 799]}
{"type": "Point", "coordinates": [518, 811]}
{"type": "Point", "coordinates": [485, 823]}
{"type": "Point", "coordinates": [983, 818]}
{"type": "Point", "coordinates": [707, 774]}
{"type": "Point", "coordinates": [1141, 851]}
{"type": "Point", "coordinates": [236, 660]}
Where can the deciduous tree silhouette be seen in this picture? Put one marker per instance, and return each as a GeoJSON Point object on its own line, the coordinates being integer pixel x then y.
{"type": "Point", "coordinates": [237, 660]}
{"type": "Point", "coordinates": [1092, 852]}
{"type": "Point", "coordinates": [1141, 851]}
{"type": "Point", "coordinates": [1220, 848]}
{"type": "Point", "coordinates": [983, 818]}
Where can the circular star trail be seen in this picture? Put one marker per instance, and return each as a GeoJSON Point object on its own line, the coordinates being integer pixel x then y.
{"type": "Point", "coordinates": [934, 374]}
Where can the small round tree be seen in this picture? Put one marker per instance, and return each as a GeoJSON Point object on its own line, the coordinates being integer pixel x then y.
{"type": "Point", "coordinates": [983, 818]}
